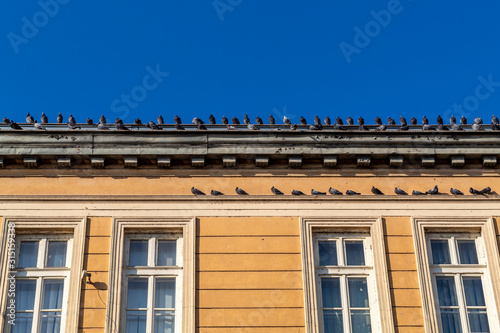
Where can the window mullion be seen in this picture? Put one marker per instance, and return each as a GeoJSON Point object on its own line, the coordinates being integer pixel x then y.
{"type": "Point", "coordinates": [346, 312]}
{"type": "Point", "coordinates": [42, 248]}
{"type": "Point", "coordinates": [37, 306]}
{"type": "Point", "coordinates": [461, 303]}
{"type": "Point", "coordinates": [150, 310]}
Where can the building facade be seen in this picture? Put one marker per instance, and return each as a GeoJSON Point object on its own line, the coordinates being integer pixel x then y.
{"type": "Point", "coordinates": [102, 233]}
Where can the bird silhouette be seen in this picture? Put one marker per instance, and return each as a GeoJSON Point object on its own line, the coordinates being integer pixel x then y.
{"type": "Point", "coordinates": [334, 191]}
{"type": "Point", "coordinates": [59, 118]}
{"type": "Point", "coordinates": [317, 121]}
{"type": "Point", "coordinates": [378, 121]}
{"type": "Point", "coordinates": [224, 120]}
{"type": "Point", "coordinates": [433, 190]}
{"type": "Point", "coordinates": [413, 121]}
{"type": "Point", "coordinates": [463, 120]}
{"type": "Point", "coordinates": [102, 127]}
{"type": "Point", "coordinates": [404, 124]}
{"type": "Point", "coordinates": [159, 120]}
{"type": "Point", "coordinates": [90, 121]}
{"type": "Point", "coordinates": [235, 121]}
{"type": "Point", "coordinates": [231, 128]}
{"type": "Point", "coordinates": [195, 191]}
{"type": "Point", "coordinates": [246, 120]}
{"type": "Point", "coordinates": [276, 191]}
{"type": "Point", "coordinates": [293, 127]}
{"type": "Point", "coordinates": [39, 126]}
{"type": "Point", "coordinates": [179, 127]}
{"type": "Point", "coordinates": [339, 125]}
{"type": "Point", "coordinates": [138, 122]}
{"type": "Point", "coordinates": [455, 191]}
{"type": "Point", "coordinates": [15, 126]}
{"type": "Point", "coordinates": [478, 124]}
{"type": "Point", "coordinates": [153, 126]}
{"type": "Point", "coordinates": [399, 191]}
{"type": "Point", "coordinates": [197, 121]}
{"type": "Point", "coordinates": [214, 192]}
{"type": "Point", "coordinates": [177, 120]}
{"type": "Point", "coordinates": [29, 119]}
{"type": "Point", "coordinates": [73, 126]}
{"type": "Point", "coordinates": [473, 191]}
{"type": "Point", "coordinates": [211, 119]}
{"type": "Point", "coordinates": [453, 124]}
{"type": "Point", "coordinates": [418, 193]}
{"type": "Point", "coordinates": [240, 191]}
{"type": "Point", "coordinates": [272, 121]}
{"type": "Point", "coordinates": [350, 121]}
{"type": "Point", "coordinates": [6, 120]}
{"type": "Point", "coordinates": [202, 127]}
{"type": "Point", "coordinates": [486, 190]}
{"type": "Point", "coordinates": [297, 192]}
{"type": "Point", "coordinates": [303, 120]}
{"type": "Point", "coordinates": [252, 127]}
{"type": "Point", "coordinates": [102, 120]}
{"type": "Point", "coordinates": [350, 192]}
{"type": "Point", "coordinates": [44, 119]}
{"type": "Point", "coordinates": [286, 121]}
{"type": "Point", "coordinates": [327, 121]}
{"type": "Point", "coordinates": [72, 120]}
{"type": "Point", "coordinates": [316, 127]}
{"type": "Point", "coordinates": [361, 123]}
{"type": "Point", "coordinates": [119, 125]}
{"type": "Point", "coordinates": [258, 121]}
{"type": "Point", "coordinates": [313, 192]}
{"type": "Point", "coordinates": [391, 121]}
{"type": "Point", "coordinates": [376, 191]}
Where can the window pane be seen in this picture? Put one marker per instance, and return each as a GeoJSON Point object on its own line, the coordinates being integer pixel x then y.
{"type": "Point", "coordinates": [360, 321]}
{"type": "Point", "coordinates": [478, 321]}
{"type": "Point", "coordinates": [28, 254]}
{"type": "Point", "coordinates": [473, 291]}
{"type": "Point", "coordinates": [166, 253]}
{"type": "Point", "coordinates": [333, 321]}
{"type": "Point", "coordinates": [51, 322]}
{"type": "Point", "coordinates": [53, 294]}
{"type": "Point", "coordinates": [165, 293]}
{"type": "Point", "coordinates": [25, 294]}
{"type": "Point", "coordinates": [355, 255]}
{"type": "Point", "coordinates": [23, 323]}
{"type": "Point", "coordinates": [327, 253]}
{"type": "Point", "coordinates": [450, 320]}
{"type": "Point", "coordinates": [137, 296]}
{"type": "Point", "coordinates": [440, 252]}
{"type": "Point", "coordinates": [330, 289]}
{"type": "Point", "coordinates": [138, 253]}
{"type": "Point", "coordinates": [467, 252]}
{"type": "Point", "coordinates": [164, 322]}
{"type": "Point", "coordinates": [446, 291]}
{"type": "Point", "coordinates": [136, 322]}
{"type": "Point", "coordinates": [358, 293]}
{"type": "Point", "coordinates": [56, 255]}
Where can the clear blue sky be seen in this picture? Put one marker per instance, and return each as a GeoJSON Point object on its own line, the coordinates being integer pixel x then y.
{"type": "Point", "coordinates": [231, 57]}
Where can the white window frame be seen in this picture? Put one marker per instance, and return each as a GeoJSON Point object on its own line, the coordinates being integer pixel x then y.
{"type": "Point", "coordinates": [153, 272]}
{"type": "Point", "coordinates": [70, 228]}
{"type": "Point", "coordinates": [345, 272]}
{"type": "Point", "coordinates": [482, 228]}
{"type": "Point", "coordinates": [121, 229]}
{"type": "Point", "coordinates": [371, 231]}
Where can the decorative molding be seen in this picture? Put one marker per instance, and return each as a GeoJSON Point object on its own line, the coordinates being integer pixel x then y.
{"type": "Point", "coordinates": [197, 161]}
{"type": "Point", "coordinates": [330, 161]}
{"type": "Point", "coordinates": [229, 161]}
{"type": "Point", "coordinates": [30, 161]}
{"type": "Point", "coordinates": [396, 161]}
{"type": "Point", "coordinates": [363, 161]}
{"type": "Point", "coordinates": [164, 161]}
{"type": "Point", "coordinates": [307, 228]}
{"type": "Point", "coordinates": [261, 161]}
{"type": "Point", "coordinates": [294, 161]}
{"type": "Point", "coordinates": [64, 161]}
{"type": "Point", "coordinates": [489, 161]}
{"type": "Point", "coordinates": [130, 161]}
{"type": "Point", "coordinates": [457, 161]}
{"type": "Point", "coordinates": [78, 226]}
{"type": "Point", "coordinates": [428, 161]}
{"type": "Point", "coordinates": [120, 227]}
{"type": "Point", "coordinates": [97, 161]}
{"type": "Point", "coordinates": [421, 225]}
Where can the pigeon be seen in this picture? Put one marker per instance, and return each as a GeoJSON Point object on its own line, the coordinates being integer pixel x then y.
{"type": "Point", "coordinates": [381, 128]}
{"type": "Point", "coordinates": [473, 191]}
{"type": "Point", "coordinates": [137, 121]}
{"type": "Point", "coordinates": [14, 125]}
{"type": "Point", "coordinates": [102, 120]}
{"type": "Point", "coordinates": [334, 191]}
{"type": "Point", "coordinates": [259, 121]}
{"type": "Point", "coordinates": [316, 127]}
{"type": "Point", "coordinates": [378, 121]}
{"type": "Point", "coordinates": [297, 192]}
{"type": "Point", "coordinates": [6, 120]}
{"type": "Point", "coordinates": [102, 127]}
{"type": "Point", "coordinates": [159, 120]}
{"type": "Point", "coordinates": [376, 191]}
{"type": "Point", "coordinates": [272, 121]}
{"type": "Point", "coordinates": [214, 192]}
{"type": "Point", "coordinates": [440, 123]}
{"type": "Point", "coordinates": [91, 122]}
{"type": "Point", "coordinates": [153, 126]}
{"type": "Point", "coordinates": [399, 191]}
{"type": "Point", "coordinates": [73, 126]}
{"type": "Point", "coordinates": [413, 121]}
{"type": "Point", "coordinates": [252, 127]}
{"type": "Point", "coordinates": [391, 121]}
{"type": "Point", "coordinates": [195, 191]}
{"type": "Point", "coordinates": [240, 191]}
{"type": "Point", "coordinates": [425, 121]}
{"type": "Point", "coordinates": [119, 125]}
{"type": "Point", "coordinates": [317, 121]}
{"type": "Point", "coordinates": [455, 191]}
{"type": "Point", "coordinates": [349, 192]}
{"type": "Point", "coordinates": [494, 124]}
{"type": "Point", "coordinates": [197, 121]}
{"type": "Point", "coordinates": [361, 123]}
{"type": "Point", "coordinates": [339, 121]}
{"type": "Point", "coordinates": [202, 127]}
{"type": "Point", "coordinates": [39, 126]}
{"type": "Point", "coordinates": [433, 190]}
{"type": "Point", "coordinates": [224, 120]}
{"type": "Point", "coordinates": [235, 121]}
{"type": "Point", "coordinates": [463, 120]}
{"type": "Point", "coordinates": [478, 124]}
{"type": "Point", "coordinates": [494, 120]}
{"type": "Point", "coordinates": [418, 193]}
{"type": "Point", "coordinates": [179, 127]}
{"type": "Point", "coordinates": [29, 119]}
{"type": "Point", "coordinates": [59, 118]}
{"type": "Point", "coordinates": [425, 124]}
{"type": "Point", "coordinates": [293, 127]}
{"type": "Point", "coordinates": [313, 192]}
{"type": "Point", "coordinates": [231, 128]}
{"type": "Point", "coordinates": [276, 191]}
{"type": "Point", "coordinates": [44, 119]}
{"type": "Point", "coordinates": [404, 124]}
{"type": "Point", "coordinates": [211, 120]}
{"type": "Point", "coordinates": [486, 190]}
{"type": "Point", "coordinates": [286, 120]}
{"type": "Point", "coordinates": [246, 120]}
{"type": "Point", "coordinates": [72, 120]}
{"type": "Point", "coordinates": [350, 121]}
{"type": "Point", "coordinates": [327, 121]}
{"type": "Point", "coordinates": [339, 125]}
{"type": "Point", "coordinates": [303, 120]}
{"type": "Point", "coordinates": [177, 120]}
{"type": "Point", "coordinates": [453, 124]}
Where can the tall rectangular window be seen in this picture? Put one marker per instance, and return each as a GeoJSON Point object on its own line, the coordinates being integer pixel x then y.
{"type": "Point", "coordinates": [345, 276]}
{"type": "Point", "coordinates": [458, 267]}
{"type": "Point", "coordinates": [153, 275]}
{"type": "Point", "coordinates": [42, 283]}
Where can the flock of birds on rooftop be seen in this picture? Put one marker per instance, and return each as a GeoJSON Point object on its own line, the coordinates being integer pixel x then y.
{"type": "Point", "coordinates": [333, 191]}
{"type": "Point", "coordinates": [477, 125]}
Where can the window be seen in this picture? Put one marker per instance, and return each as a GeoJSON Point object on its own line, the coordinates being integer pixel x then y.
{"type": "Point", "coordinates": [42, 281]}
{"type": "Point", "coordinates": [346, 279]}
{"type": "Point", "coordinates": [346, 287]}
{"type": "Point", "coordinates": [153, 276]}
{"type": "Point", "coordinates": [458, 268]}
